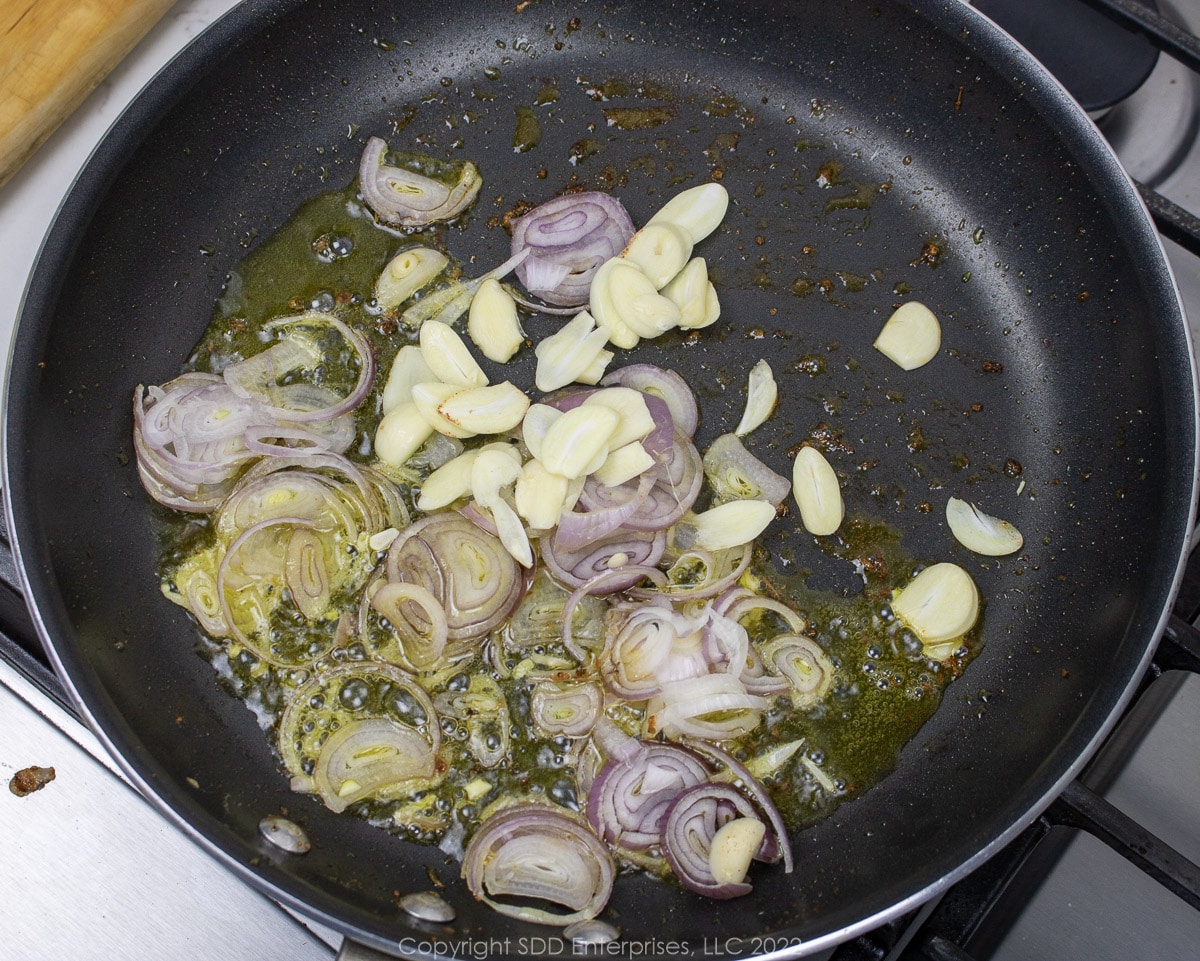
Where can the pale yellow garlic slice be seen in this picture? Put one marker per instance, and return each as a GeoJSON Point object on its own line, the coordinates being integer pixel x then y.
{"type": "Point", "coordinates": [406, 273]}
{"type": "Point", "coordinates": [449, 357]}
{"type": "Point", "coordinates": [492, 322]}
{"type": "Point", "coordinates": [695, 296]}
{"type": "Point", "coordinates": [698, 210]}
{"type": "Point", "coordinates": [576, 440]}
{"type": "Point", "coordinates": [659, 251]}
{"type": "Point", "coordinates": [537, 421]}
{"type": "Point", "coordinates": [496, 467]}
{"type": "Point", "coordinates": [428, 398]}
{"type": "Point", "coordinates": [401, 433]}
{"type": "Point", "coordinates": [596, 369]}
{"type": "Point", "coordinates": [980, 532]}
{"type": "Point", "coordinates": [731, 524]}
{"type": "Point", "coordinates": [568, 355]}
{"type": "Point", "coordinates": [911, 337]}
{"type": "Point", "coordinates": [624, 301]}
{"type": "Point", "coordinates": [486, 410]}
{"type": "Point", "coordinates": [940, 604]}
{"type": "Point", "coordinates": [511, 532]}
{"type": "Point", "coordinates": [636, 421]}
{"type": "Point", "coordinates": [408, 369]}
{"type": "Point", "coordinates": [817, 492]}
{"type": "Point", "coordinates": [540, 495]}
{"type": "Point", "coordinates": [604, 309]}
{"type": "Point", "coordinates": [450, 482]}
{"type": "Point", "coordinates": [733, 848]}
{"type": "Point", "coordinates": [762, 394]}
{"type": "Point", "coordinates": [623, 464]}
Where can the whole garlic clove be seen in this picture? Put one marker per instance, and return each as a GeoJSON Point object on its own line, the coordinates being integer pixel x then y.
{"type": "Point", "coordinates": [911, 337]}
{"type": "Point", "coordinates": [817, 492]}
{"type": "Point", "coordinates": [980, 532]}
{"type": "Point", "coordinates": [940, 604]}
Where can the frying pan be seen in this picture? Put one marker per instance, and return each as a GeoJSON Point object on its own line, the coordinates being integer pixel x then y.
{"type": "Point", "coordinates": [965, 178]}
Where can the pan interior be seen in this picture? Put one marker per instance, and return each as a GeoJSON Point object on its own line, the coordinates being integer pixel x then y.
{"type": "Point", "coordinates": [874, 155]}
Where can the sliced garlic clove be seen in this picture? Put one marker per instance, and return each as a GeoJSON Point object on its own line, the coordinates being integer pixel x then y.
{"type": "Point", "coordinates": [659, 251]}
{"type": "Point", "coordinates": [731, 525]}
{"type": "Point", "coordinates": [604, 309]}
{"type": "Point", "coordinates": [486, 410]}
{"type": "Point", "coordinates": [911, 337]}
{"type": "Point", "coordinates": [408, 369]}
{"type": "Point", "coordinates": [567, 355]}
{"type": "Point", "coordinates": [540, 496]}
{"type": "Point", "coordinates": [537, 421]}
{"type": "Point", "coordinates": [450, 482]}
{"type": "Point", "coordinates": [511, 532]}
{"type": "Point", "coordinates": [492, 322]}
{"type": "Point", "coordinates": [733, 848]}
{"type": "Point", "coordinates": [817, 492]}
{"type": "Point", "coordinates": [577, 439]}
{"type": "Point", "coordinates": [630, 405]}
{"type": "Point", "coordinates": [401, 433]}
{"type": "Point", "coordinates": [761, 396]}
{"type": "Point", "coordinates": [643, 309]}
{"type": "Point", "coordinates": [448, 356]}
{"type": "Point", "coordinates": [980, 532]}
{"type": "Point", "coordinates": [496, 467]}
{"type": "Point", "coordinates": [696, 298]}
{"type": "Point", "coordinates": [623, 464]}
{"type": "Point", "coordinates": [939, 604]}
{"type": "Point", "coordinates": [595, 370]}
{"type": "Point", "coordinates": [406, 273]}
{"type": "Point", "coordinates": [428, 399]}
{"type": "Point", "coordinates": [698, 210]}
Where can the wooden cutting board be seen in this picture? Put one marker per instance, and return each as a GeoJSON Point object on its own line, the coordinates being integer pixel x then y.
{"type": "Point", "coordinates": [53, 53]}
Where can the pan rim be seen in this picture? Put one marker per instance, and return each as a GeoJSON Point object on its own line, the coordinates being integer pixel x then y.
{"type": "Point", "coordinates": [261, 12]}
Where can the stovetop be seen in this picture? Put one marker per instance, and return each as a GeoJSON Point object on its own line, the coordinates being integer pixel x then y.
{"type": "Point", "coordinates": [94, 872]}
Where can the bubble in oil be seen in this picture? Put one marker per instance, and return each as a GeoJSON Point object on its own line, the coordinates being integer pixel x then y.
{"type": "Point", "coordinates": [354, 694]}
